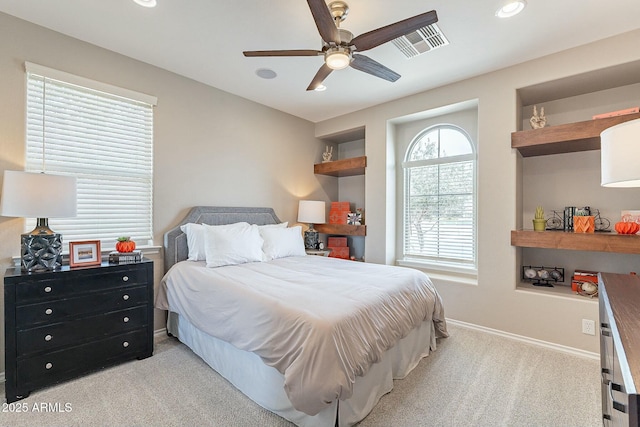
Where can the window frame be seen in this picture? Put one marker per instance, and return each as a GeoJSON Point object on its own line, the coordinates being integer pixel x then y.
{"type": "Point", "coordinates": [462, 269]}
{"type": "Point", "coordinates": [45, 162]}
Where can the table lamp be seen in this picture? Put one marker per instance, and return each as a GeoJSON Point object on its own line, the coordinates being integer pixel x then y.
{"type": "Point", "coordinates": [311, 212]}
{"type": "Point", "coordinates": [619, 150]}
{"type": "Point", "coordinates": [41, 196]}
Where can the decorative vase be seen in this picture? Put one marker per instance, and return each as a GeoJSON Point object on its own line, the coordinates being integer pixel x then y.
{"type": "Point", "coordinates": [584, 224]}
{"type": "Point", "coordinates": [539, 224]}
{"type": "Point", "coordinates": [627, 227]}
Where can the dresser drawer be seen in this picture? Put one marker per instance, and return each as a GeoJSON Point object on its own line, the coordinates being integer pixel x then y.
{"type": "Point", "coordinates": [53, 311]}
{"type": "Point", "coordinates": [52, 336]}
{"type": "Point", "coordinates": [66, 363]}
{"type": "Point", "coordinates": [72, 285]}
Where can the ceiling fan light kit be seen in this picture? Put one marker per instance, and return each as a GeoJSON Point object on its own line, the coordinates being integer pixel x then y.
{"type": "Point", "coordinates": [338, 58]}
{"type": "Point", "coordinates": [339, 47]}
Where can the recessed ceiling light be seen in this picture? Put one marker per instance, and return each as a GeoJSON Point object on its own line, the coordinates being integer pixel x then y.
{"type": "Point", "coordinates": [511, 8]}
{"type": "Point", "coordinates": [146, 3]}
{"type": "Point", "coordinates": [320, 88]}
{"type": "Point", "coordinates": [266, 73]}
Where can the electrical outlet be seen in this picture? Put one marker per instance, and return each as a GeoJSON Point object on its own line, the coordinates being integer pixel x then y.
{"type": "Point", "coordinates": [588, 327]}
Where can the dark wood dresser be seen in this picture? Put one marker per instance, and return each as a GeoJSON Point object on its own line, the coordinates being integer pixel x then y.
{"type": "Point", "coordinates": [620, 348]}
{"type": "Point", "coordinates": [63, 324]}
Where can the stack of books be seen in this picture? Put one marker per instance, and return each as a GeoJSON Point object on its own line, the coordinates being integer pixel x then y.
{"type": "Point", "coordinates": [116, 257]}
{"type": "Point", "coordinates": [338, 212]}
{"type": "Point", "coordinates": [338, 246]}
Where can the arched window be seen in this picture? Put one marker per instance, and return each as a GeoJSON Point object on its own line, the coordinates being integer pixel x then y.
{"type": "Point", "coordinates": [440, 198]}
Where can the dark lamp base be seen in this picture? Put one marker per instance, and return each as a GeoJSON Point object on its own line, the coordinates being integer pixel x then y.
{"type": "Point", "coordinates": [311, 239]}
{"type": "Point", "coordinates": [41, 251]}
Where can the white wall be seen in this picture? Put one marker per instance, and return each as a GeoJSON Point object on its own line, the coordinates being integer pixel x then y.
{"type": "Point", "coordinates": [210, 147]}
{"type": "Point", "coordinates": [494, 302]}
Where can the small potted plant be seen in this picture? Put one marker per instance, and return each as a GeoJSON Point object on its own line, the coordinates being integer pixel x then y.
{"type": "Point", "coordinates": [539, 222]}
{"type": "Point", "coordinates": [125, 244]}
{"type": "Point", "coordinates": [583, 222]}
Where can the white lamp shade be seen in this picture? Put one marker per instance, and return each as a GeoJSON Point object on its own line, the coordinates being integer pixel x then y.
{"type": "Point", "coordinates": [620, 155]}
{"type": "Point", "coordinates": [38, 195]}
{"type": "Point", "coordinates": [311, 211]}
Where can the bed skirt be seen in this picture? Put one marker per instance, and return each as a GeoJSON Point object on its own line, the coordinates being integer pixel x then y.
{"type": "Point", "coordinates": [265, 385]}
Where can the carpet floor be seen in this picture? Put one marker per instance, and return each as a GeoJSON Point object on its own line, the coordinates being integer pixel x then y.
{"type": "Point", "coordinates": [473, 379]}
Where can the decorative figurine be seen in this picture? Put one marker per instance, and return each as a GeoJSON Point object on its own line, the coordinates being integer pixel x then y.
{"type": "Point", "coordinates": [328, 153]}
{"type": "Point", "coordinates": [538, 121]}
{"type": "Point", "coordinates": [354, 218]}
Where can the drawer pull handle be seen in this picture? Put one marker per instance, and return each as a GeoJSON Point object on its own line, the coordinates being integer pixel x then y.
{"type": "Point", "coordinates": [125, 344]}
{"type": "Point", "coordinates": [125, 278]}
{"type": "Point", "coordinates": [125, 297]}
{"type": "Point", "coordinates": [48, 338]}
{"type": "Point", "coordinates": [48, 366]}
{"type": "Point", "coordinates": [125, 320]}
{"type": "Point", "coordinates": [48, 311]}
{"type": "Point", "coordinates": [47, 289]}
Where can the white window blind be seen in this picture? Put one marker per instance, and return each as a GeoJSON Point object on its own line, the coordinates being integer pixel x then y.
{"type": "Point", "coordinates": [103, 139]}
{"type": "Point", "coordinates": [440, 198]}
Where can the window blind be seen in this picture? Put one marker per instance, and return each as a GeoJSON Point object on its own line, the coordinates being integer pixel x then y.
{"type": "Point", "coordinates": [106, 142]}
{"type": "Point", "coordinates": [439, 207]}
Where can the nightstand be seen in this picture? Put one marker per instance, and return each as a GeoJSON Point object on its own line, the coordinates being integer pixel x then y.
{"type": "Point", "coordinates": [63, 324]}
{"type": "Point", "coordinates": [318, 252]}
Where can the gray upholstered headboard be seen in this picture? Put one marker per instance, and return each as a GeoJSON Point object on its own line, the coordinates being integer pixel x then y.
{"type": "Point", "coordinates": [175, 241]}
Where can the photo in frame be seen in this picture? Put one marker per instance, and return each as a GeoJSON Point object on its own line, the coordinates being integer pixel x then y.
{"type": "Point", "coordinates": [84, 254]}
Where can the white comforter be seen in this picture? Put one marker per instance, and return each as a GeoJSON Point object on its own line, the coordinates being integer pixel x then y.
{"type": "Point", "coordinates": [319, 321]}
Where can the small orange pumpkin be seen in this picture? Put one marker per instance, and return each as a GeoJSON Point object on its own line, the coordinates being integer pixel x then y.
{"type": "Point", "coordinates": [125, 244]}
{"type": "Point", "coordinates": [627, 227]}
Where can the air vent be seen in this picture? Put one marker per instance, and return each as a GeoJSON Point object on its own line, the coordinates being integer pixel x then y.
{"type": "Point", "coordinates": [421, 41]}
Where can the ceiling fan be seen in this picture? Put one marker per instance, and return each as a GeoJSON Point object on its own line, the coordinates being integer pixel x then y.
{"type": "Point", "coordinates": [339, 46]}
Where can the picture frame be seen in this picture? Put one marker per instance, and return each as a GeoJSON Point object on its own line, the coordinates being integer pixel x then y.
{"type": "Point", "coordinates": [85, 253]}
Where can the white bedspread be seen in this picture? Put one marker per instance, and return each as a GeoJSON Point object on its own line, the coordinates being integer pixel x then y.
{"type": "Point", "coordinates": [319, 321]}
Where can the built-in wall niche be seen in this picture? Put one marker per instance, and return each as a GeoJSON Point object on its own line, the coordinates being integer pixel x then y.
{"type": "Point", "coordinates": [577, 98]}
{"type": "Point", "coordinates": [352, 189]}
{"type": "Point", "coordinates": [573, 178]}
{"type": "Point", "coordinates": [350, 145]}
{"type": "Point", "coordinates": [576, 260]}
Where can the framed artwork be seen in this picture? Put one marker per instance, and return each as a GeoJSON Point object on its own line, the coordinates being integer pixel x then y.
{"type": "Point", "coordinates": [83, 254]}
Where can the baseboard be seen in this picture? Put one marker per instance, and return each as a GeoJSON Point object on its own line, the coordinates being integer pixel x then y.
{"type": "Point", "coordinates": [528, 340]}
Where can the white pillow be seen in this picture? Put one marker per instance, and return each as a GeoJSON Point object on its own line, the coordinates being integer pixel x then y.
{"type": "Point", "coordinates": [196, 237]}
{"type": "Point", "coordinates": [195, 241]}
{"type": "Point", "coordinates": [232, 245]}
{"type": "Point", "coordinates": [282, 242]}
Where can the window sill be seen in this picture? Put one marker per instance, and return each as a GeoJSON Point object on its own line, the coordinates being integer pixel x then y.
{"type": "Point", "coordinates": [465, 276]}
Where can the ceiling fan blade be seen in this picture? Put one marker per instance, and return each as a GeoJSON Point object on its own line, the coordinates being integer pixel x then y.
{"type": "Point", "coordinates": [322, 74]}
{"type": "Point", "coordinates": [324, 21]}
{"type": "Point", "coordinates": [368, 65]}
{"type": "Point", "coordinates": [298, 52]}
{"type": "Point", "coordinates": [385, 34]}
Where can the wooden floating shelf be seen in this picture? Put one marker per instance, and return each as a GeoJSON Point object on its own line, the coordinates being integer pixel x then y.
{"type": "Point", "coordinates": [567, 138]}
{"type": "Point", "coordinates": [598, 242]}
{"type": "Point", "coordinates": [342, 229]}
{"type": "Point", "coordinates": [345, 167]}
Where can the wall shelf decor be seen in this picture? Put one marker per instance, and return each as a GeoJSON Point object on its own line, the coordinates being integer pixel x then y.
{"type": "Point", "coordinates": [566, 138]}
{"type": "Point", "coordinates": [342, 229]}
{"type": "Point", "coordinates": [599, 242]}
{"type": "Point", "coordinates": [345, 167]}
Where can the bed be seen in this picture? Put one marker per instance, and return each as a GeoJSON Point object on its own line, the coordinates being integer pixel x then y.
{"type": "Point", "coordinates": [316, 340]}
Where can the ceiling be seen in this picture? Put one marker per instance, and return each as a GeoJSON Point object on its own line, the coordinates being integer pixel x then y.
{"type": "Point", "coordinates": [204, 40]}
